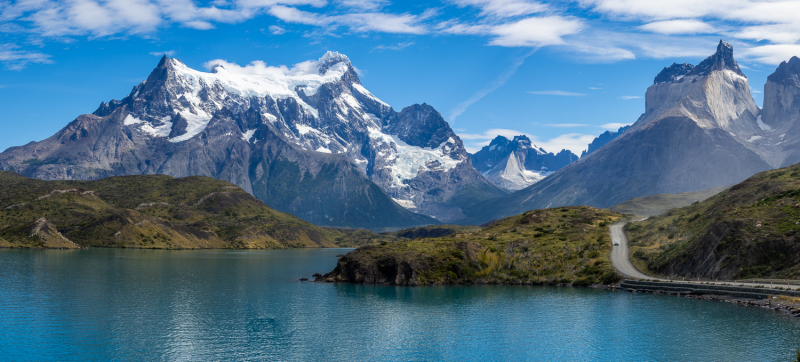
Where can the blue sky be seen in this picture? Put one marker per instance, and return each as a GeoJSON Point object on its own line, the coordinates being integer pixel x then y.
{"type": "Point", "coordinates": [559, 71]}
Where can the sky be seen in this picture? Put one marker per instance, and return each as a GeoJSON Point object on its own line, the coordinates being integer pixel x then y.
{"type": "Point", "coordinates": [560, 72]}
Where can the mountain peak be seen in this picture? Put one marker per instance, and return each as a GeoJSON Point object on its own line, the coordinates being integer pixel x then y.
{"type": "Point", "coordinates": [673, 72]}
{"type": "Point", "coordinates": [330, 60]}
{"type": "Point", "coordinates": [721, 60]}
{"type": "Point", "coordinates": [787, 73]}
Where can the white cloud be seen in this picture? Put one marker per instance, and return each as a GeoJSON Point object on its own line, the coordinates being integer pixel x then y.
{"type": "Point", "coordinates": [364, 4]}
{"type": "Point", "coordinates": [398, 46]}
{"type": "Point", "coordinates": [169, 53]}
{"type": "Point", "coordinates": [681, 26]}
{"type": "Point", "coordinates": [595, 88]}
{"type": "Point", "coordinates": [614, 126]}
{"type": "Point", "coordinates": [535, 31]}
{"type": "Point", "coordinates": [771, 54]}
{"type": "Point", "coordinates": [276, 30]}
{"type": "Point", "coordinates": [558, 93]}
{"type": "Point", "coordinates": [575, 142]}
{"type": "Point", "coordinates": [629, 97]}
{"type": "Point", "coordinates": [504, 8]}
{"type": "Point", "coordinates": [15, 59]}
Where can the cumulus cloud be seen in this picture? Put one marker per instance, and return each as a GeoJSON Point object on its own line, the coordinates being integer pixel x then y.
{"type": "Point", "coordinates": [558, 93]}
{"type": "Point", "coordinates": [575, 142]}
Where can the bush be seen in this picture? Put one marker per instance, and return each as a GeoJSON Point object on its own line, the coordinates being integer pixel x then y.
{"type": "Point", "coordinates": [610, 277]}
{"type": "Point", "coordinates": [583, 282]}
{"type": "Point", "coordinates": [593, 254]}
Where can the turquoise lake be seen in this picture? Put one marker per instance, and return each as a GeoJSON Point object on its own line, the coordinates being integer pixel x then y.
{"type": "Point", "coordinates": [144, 305]}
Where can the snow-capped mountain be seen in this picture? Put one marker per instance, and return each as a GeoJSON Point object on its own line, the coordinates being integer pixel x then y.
{"type": "Point", "coordinates": [701, 129]}
{"type": "Point", "coordinates": [517, 163]}
{"type": "Point", "coordinates": [225, 124]}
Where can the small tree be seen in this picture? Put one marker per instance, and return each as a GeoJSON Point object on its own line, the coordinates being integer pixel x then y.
{"type": "Point", "coordinates": [798, 355]}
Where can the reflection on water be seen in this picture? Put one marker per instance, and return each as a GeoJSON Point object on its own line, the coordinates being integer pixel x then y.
{"type": "Point", "coordinates": [104, 304]}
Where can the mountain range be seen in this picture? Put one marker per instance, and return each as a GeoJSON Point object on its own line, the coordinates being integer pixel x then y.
{"type": "Point", "coordinates": [309, 140]}
{"type": "Point", "coordinates": [701, 129]}
{"type": "Point", "coordinates": [517, 163]}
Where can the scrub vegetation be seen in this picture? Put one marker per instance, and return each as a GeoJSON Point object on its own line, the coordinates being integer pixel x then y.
{"type": "Point", "coordinates": [550, 246]}
{"type": "Point", "coordinates": [158, 212]}
{"type": "Point", "coordinates": [751, 230]}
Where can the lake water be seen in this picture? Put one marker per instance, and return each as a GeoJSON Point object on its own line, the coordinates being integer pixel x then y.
{"type": "Point", "coordinates": [134, 305]}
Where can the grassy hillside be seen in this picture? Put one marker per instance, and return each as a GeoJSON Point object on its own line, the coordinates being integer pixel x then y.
{"type": "Point", "coordinates": [749, 230]}
{"type": "Point", "coordinates": [564, 245]}
{"type": "Point", "coordinates": [152, 212]}
{"type": "Point", "coordinates": [659, 204]}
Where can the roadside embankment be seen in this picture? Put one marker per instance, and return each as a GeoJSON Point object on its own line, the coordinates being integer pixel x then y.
{"type": "Point", "coordinates": [705, 289]}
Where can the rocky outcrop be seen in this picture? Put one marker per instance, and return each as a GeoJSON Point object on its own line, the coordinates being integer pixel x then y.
{"type": "Point", "coordinates": [48, 236]}
{"type": "Point", "coordinates": [391, 269]}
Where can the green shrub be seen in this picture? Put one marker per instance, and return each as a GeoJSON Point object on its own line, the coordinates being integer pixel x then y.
{"type": "Point", "coordinates": [610, 277]}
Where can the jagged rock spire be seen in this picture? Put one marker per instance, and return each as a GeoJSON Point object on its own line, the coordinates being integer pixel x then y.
{"type": "Point", "coordinates": [721, 60]}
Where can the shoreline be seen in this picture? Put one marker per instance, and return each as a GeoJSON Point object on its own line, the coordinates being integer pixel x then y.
{"type": "Point", "coordinates": [780, 304]}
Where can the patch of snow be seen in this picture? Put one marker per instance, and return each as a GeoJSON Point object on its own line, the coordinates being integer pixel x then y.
{"type": "Point", "coordinates": [365, 92]}
{"type": "Point", "coordinates": [513, 176]}
{"type": "Point", "coordinates": [323, 150]}
{"type": "Point", "coordinates": [408, 204]}
{"type": "Point", "coordinates": [754, 138]}
{"type": "Point", "coordinates": [406, 160]}
{"type": "Point", "coordinates": [247, 136]}
{"type": "Point", "coordinates": [783, 135]}
{"type": "Point", "coordinates": [303, 129]}
{"type": "Point", "coordinates": [732, 74]}
{"type": "Point", "coordinates": [350, 101]}
{"type": "Point", "coordinates": [733, 134]}
{"type": "Point", "coordinates": [762, 125]}
{"type": "Point", "coordinates": [270, 117]}
{"type": "Point", "coordinates": [196, 124]}
{"type": "Point", "coordinates": [131, 120]}
{"type": "Point", "coordinates": [160, 131]}
{"type": "Point", "coordinates": [492, 147]}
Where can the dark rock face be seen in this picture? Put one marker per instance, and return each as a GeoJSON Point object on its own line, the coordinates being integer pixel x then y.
{"type": "Point", "coordinates": [721, 60]}
{"type": "Point", "coordinates": [323, 149]}
{"type": "Point", "coordinates": [673, 72]}
{"type": "Point", "coordinates": [603, 139]}
{"type": "Point", "coordinates": [787, 73]}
